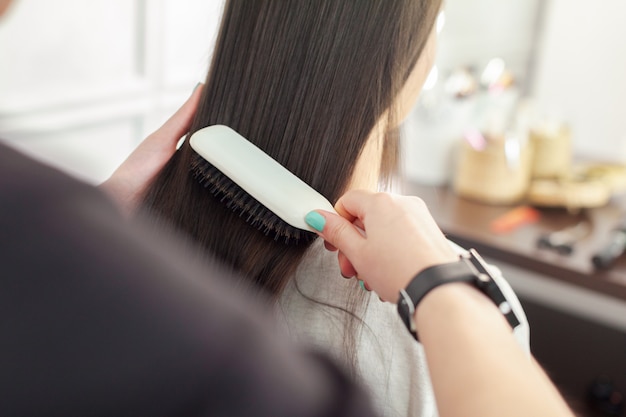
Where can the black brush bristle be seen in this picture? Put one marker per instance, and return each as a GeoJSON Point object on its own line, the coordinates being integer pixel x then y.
{"type": "Point", "coordinates": [239, 201]}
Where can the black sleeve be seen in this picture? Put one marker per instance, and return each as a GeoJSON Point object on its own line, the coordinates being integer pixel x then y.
{"type": "Point", "coordinates": [101, 318]}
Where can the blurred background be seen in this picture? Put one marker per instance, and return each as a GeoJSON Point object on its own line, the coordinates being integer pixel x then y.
{"type": "Point", "coordinates": [519, 135]}
{"type": "Point", "coordinates": [82, 82]}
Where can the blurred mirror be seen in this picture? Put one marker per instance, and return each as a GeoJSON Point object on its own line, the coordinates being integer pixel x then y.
{"type": "Point", "coordinates": [509, 65]}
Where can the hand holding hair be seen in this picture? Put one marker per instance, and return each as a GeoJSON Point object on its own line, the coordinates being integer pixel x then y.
{"type": "Point", "coordinates": [127, 184]}
{"type": "Point", "coordinates": [401, 238]}
{"type": "Point", "coordinates": [490, 375]}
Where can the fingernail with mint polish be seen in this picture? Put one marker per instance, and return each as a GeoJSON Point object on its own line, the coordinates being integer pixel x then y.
{"type": "Point", "coordinates": [315, 220]}
{"type": "Point", "coordinates": [363, 286]}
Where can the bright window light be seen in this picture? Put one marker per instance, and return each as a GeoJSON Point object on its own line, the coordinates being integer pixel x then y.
{"type": "Point", "coordinates": [432, 78]}
{"type": "Point", "coordinates": [441, 21]}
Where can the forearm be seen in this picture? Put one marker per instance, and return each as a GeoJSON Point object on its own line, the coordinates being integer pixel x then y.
{"type": "Point", "coordinates": [474, 378]}
{"type": "Point", "coordinates": [476, 366]}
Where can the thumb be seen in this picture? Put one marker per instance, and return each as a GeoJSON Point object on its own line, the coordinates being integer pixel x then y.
{"type": "Point", "coordinates": [337, 231]}
{"type": "Point", "coordinates": [179, 123]}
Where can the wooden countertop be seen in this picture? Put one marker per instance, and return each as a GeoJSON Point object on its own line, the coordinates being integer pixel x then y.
{"type": "Point", "coordinates": [468, 223]}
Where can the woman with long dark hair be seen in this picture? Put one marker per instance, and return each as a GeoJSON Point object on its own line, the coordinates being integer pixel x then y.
{"type": "Point", "coordinates": [321, 86]}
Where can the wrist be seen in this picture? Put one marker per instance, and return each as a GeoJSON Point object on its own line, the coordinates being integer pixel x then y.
{"type": "Point", "coordinates": [470, 269]}
{"type": "Point", "coordinates": [457, 307]}
{"type": "Point", "coordinates": [407, 272]}
{"type": "Point", "coordinates": [447, 300]}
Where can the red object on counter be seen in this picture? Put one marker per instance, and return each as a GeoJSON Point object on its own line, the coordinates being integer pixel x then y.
{"type": "Point", "coordinates": [513, 219]}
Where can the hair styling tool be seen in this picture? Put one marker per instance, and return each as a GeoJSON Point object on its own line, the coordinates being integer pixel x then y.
{"type": "Point", "coordinates": [254, 185]}
{"type": "Point", "coordinates": [613, 249]}
{"type": "Point", "coordinates": [563, 241]}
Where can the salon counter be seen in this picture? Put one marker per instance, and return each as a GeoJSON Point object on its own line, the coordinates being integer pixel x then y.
{"type": "Point", "coordinates": [468, 223]}
{"type": "Point", "coordinates": [577, 314]}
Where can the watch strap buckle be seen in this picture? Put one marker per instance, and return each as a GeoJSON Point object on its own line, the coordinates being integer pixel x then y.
{"type": "Point", "coordinates": [487, 284]}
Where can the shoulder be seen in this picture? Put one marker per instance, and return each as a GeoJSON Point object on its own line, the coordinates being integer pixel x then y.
{"type": "Point", "coordinates": [392, 364]}
{"type": "Point", "coordinates": [314, 305]}
{"type": "Point", "coordinates": [315, 309]}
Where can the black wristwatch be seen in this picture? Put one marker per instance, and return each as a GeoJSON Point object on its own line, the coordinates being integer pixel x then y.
{"type": "Point", "coordinates": [470, 268]}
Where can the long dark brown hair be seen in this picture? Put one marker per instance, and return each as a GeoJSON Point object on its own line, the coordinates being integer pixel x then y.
{"type": "Point", "coordinates": [306, 81]}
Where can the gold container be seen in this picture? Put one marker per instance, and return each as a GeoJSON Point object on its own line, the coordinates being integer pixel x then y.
{"type": "Point", "coordinates": [498, 173]}
{"type": "Point", "coordinates": [552, 151]}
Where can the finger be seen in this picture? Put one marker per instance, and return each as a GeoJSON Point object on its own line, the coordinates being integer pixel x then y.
{"type": "Point", "coordinates": [336, 230]}
{"type": "Point", "coordinates": [178, 125]}
{"type": "Point", "coordinates": [329, 247]}
{"type": "Point", "coordinates": [351, 205]}
{"type": "Point", "coordinates": [347, 270]}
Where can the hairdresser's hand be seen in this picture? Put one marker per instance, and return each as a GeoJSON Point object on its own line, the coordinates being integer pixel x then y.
{"type": "Point", "coordinates": [401, 239]}
{"type": "Point", "coordinates": [127, 184]}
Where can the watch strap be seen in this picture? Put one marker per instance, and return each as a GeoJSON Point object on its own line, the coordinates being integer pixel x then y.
{"type": "Point", "coordinates": [470, 268]}
{"type": "Point", "coordinates": [427, 280]}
